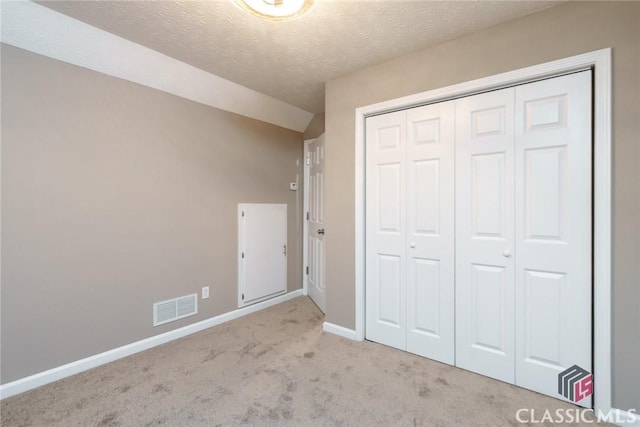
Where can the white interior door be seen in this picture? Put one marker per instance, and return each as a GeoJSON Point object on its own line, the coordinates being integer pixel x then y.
{"type": "Point", "coordinates": [386, 229]}
{"type": "Point", "coordinates": [262, 251]}
{"type": "Point", "coordinates": [315, 261]}
{"type": "Point", "coordinates": [430, 231]}
{"type": "Point", "coordinates": [484, 234]}
{"type": "Point", "coordinates": [553, 230]}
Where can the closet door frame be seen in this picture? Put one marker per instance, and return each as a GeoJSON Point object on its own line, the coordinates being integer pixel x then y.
{"type": "Point", "coordinates": [600, 62]}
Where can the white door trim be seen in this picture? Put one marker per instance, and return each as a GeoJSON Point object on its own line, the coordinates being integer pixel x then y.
{"type": "Point", "coordinates": [600, 61]}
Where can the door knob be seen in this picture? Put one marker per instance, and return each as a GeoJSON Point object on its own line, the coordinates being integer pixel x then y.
{"type": "Point", "coordinates": [320, 230]}
{"type": "Point", "coordinates": [506, 253]}
{"type": "Point", "coordinates": [412, 244]}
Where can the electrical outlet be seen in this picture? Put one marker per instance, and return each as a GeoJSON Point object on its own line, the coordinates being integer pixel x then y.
{"type": "Point", "coordinates": [205, 292]}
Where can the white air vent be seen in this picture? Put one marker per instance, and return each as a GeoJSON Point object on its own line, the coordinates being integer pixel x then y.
{"type": "Point", "coordinates": [174, 309]}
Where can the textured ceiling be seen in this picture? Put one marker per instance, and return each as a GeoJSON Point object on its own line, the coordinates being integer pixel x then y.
{"type": "Point", "coordinates": [291, 61]}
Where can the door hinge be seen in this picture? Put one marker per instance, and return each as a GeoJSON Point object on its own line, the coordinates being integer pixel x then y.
{"type": "Point", "coordinates": [242, 255]}
{"type": "Point", "coordinates": [284, 250]}
{"type": "Point", "coordinates": [243, 214]}
{"type": "Point", "coordinates": [243, 297]}
{"type": "Point", "coordinates": [307, 270]}
{"type": "Point", "coordinates": [307, 216]}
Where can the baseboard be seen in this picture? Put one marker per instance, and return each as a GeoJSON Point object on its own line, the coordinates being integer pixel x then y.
{"type": "Point", "coordinates": [624, 418]}
{"type": "Point", "coordinates": [29, 383]}
{"type": "Point", "coordinates": [340, 330]}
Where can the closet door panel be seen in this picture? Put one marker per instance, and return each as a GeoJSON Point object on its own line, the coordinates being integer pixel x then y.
{"type": "Point", "coordinates": [430, 231]}
{"type": "Point", "coordinates": [484, 234]}
{"type": "Point", "coordinates": [553, 230]}
{"type": "Point", "coordinates": [386, 229]}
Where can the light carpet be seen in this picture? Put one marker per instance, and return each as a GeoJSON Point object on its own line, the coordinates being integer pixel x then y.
{"type": "Point", "coordinates": [274, 368]}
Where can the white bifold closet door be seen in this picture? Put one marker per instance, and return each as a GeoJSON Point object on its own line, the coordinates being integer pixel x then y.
{"type": "Point", "coordinates": [484, 234]}
{"type": "Point", "coordinates": [487, 197]}
{"type": "Point", "coordinates": [553, 231]}
{"type": "Point", "coordinates": [410, 240]}
{"type": "Point", "coordinates": [523, 232]}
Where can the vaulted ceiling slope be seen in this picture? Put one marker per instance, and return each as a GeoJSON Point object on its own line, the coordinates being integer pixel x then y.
{"type": "Point", "coordinates": [291, 61]}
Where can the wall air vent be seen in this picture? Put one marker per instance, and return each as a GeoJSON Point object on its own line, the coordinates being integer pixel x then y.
{"type": "Point", "coordinates": [174, 309]}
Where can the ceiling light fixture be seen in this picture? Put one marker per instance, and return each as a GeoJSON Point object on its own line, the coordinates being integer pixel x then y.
{"type": "Point", "coordinates": [275, 10]}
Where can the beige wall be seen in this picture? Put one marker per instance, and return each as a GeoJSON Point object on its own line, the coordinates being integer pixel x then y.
{"type": "Point", "coordinates": [315, 128]}
{"type": "Point", "coordinates": [563, 31]}
{"type": "Point", "coordinates": [116, 196]}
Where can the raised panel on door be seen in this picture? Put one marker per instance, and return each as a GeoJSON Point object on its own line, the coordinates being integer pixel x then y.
{"type": "Point", "coordinates": [386, 229]}
{"type": "Point", "coordinates": [484, 234]}
{"type": "Point", "coordinates": [388, 281]}
{"type": "Point", "coordinates": [430, 231]}
{"type": "Point", "coordinates": [490, 322]}
{"type": "Point", "coordinates": [553, 230]}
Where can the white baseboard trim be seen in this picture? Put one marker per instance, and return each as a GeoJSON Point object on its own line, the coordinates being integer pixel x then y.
{"type": "Point", "coordinates": [340, 330]}
{"type": "Point", "coordinates": [624, 418]}
{"type": "Point", "coordinates": [33, 381]}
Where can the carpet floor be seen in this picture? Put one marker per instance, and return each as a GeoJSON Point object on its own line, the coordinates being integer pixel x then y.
{"type": "Point", "coordinates": [275, 368]}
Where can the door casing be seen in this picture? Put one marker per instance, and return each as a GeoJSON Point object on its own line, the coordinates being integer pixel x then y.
{"type": "Point", "coordinates": [600, 62]}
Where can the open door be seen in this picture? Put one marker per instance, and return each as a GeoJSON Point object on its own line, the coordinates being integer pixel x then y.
{"type": "Point", "coordinates": [314, 194]}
